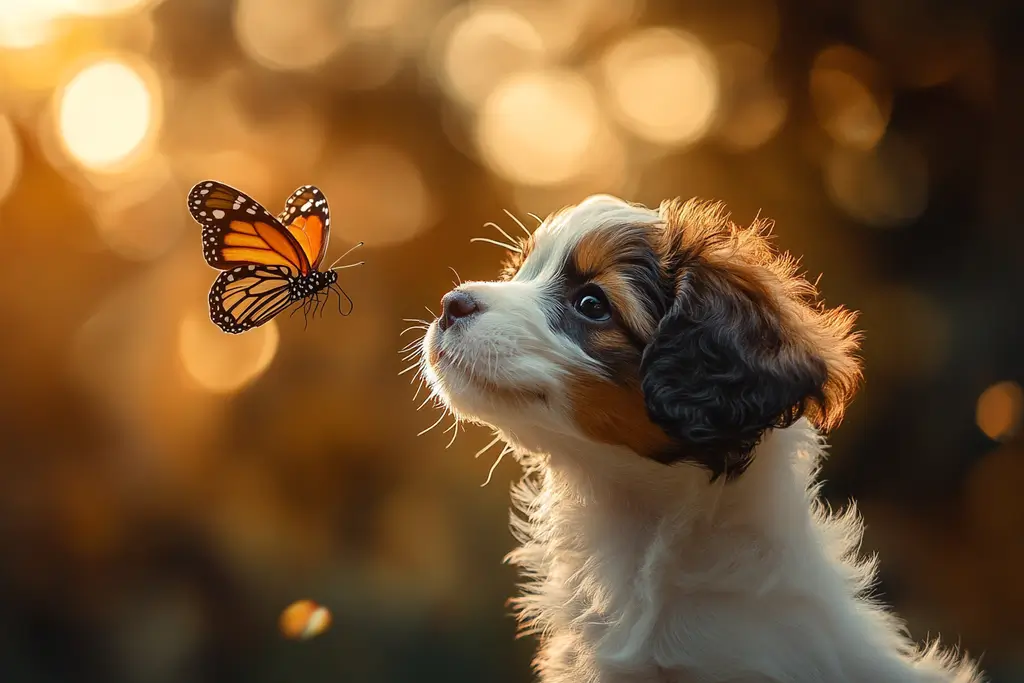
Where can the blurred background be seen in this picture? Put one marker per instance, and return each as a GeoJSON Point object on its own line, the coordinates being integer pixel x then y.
{"type": "Point", "coordinates": [166, 489]}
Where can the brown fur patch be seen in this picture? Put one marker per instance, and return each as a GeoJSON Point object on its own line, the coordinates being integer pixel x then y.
{"type": "Point", "coordinates": [615, 414]}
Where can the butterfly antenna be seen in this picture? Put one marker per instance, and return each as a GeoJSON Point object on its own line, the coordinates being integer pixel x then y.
{"type": "Point", "coordinates": [518, 222]}
{"type": "Point", "coordinates": [351, 249]}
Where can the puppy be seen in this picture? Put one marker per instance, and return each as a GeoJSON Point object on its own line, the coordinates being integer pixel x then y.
{"type": "Point", "coordinates": [665, 377]}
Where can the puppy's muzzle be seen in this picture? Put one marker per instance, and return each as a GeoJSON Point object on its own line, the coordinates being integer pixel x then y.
{"type": "Point", "coordinates": [457, 306]}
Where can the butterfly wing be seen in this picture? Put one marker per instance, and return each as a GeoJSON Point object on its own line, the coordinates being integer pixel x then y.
{"type": "Point", "coordinates": [248, 296]}
{"type": "Point", "coordinates": [238, 231]}
{"type": "Point", "coordinates": [307, 217]}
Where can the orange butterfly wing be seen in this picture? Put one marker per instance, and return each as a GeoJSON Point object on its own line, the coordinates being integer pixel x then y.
{"type": "Point", "coordinates": [238, 231]}
{"type": "Point", "coordinates": [307, 217]}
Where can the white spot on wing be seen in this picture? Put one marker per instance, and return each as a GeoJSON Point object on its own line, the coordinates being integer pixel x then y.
{"type": "Point", "coordinates": [217, 213]}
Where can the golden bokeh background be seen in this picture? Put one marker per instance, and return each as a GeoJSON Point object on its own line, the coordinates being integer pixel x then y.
{"type": "Point", "coordinates": [167, 490]}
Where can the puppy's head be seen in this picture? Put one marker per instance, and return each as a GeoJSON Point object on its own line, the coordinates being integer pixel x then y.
{"type": "Point", "coordinates": [673, 333]}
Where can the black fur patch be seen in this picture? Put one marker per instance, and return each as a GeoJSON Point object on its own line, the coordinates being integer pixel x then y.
{"type": "Point", "coordinates": [719, 373]}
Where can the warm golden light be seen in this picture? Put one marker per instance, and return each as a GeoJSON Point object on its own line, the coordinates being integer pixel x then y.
{"type": "Point", "coordinates": [1000, 410]}
{"type": "Point", "coordinates": [841, 89]}
{"type": "Point", "coordinates": [10, 157]}
{"type": "Point", "coordinates": [105, 114]}
{"type": "Point", "coordinates": [663, 85]}
{"type": "Point", "coordinates": [289, 34]}
{"type": "Point", "coordinates": [567, 24]}
{"type": "Point", "coordinates": [223, 363]}
{"type": "Point", "coordinates": [140, 218]}
{"type": "Point", "coordinates": [378, 193]}
{"type": "Point", "coordinates": [606, 170]}
{"type": "Point", "coordinates": [102, 7]}
{"type": "Point", "coordinates": [27, 23]}
{"type": "Point", "coordinates": [536, 128]}
{"type": "Point", "coordinates": [753, 111]}
{"type": "Point", "coordinates": [885, 187]}
{"type": "Point", "coordinates": [486, 44]}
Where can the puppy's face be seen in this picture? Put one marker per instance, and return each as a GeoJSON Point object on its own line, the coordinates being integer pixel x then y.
{"type": "Point", "coordinates": [672, 332]}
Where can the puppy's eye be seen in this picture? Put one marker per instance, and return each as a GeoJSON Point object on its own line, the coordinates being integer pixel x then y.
{"type": "Point", "coordinates": [592, 304]}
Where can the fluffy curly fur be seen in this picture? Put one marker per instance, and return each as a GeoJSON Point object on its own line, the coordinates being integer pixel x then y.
{"type": "Point", "coordinates": [642, 563]}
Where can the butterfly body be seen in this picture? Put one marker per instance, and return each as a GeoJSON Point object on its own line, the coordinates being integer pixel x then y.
{"type": "Point", "coordinates": [268, 262]}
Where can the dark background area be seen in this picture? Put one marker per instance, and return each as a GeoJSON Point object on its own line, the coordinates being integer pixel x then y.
{"type": "Point", "coordinates": [166, 490]}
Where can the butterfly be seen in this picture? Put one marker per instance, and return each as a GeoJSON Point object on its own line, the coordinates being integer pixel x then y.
{"type": "Point", "coordinates": [268, 262]}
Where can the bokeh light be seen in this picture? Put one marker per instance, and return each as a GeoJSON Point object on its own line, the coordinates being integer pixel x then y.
{"type": "Point", "coordinates": [606, 169]}
{"type": "Point", "coordinates": [537, 127]}
{"type": "Point", "coordinates": [222, 363]}
{"type": "Point", "coordinates": [851, 103]}
{"type": "Point", "coordinates": [106, 7]}
{"type": "Point", "coordinates": [10, 157]}
{"type": "Point", "coordinates": [304, 619]}
{"type": "Point", "coordinates": [663, 85]}
{"type": "Point", "coordinates": [140, 218]}
{"type": "Point", "coordinates": [106, 113]}
{"type": "Point", "coordinates": [289, 35]}
{"type": "Point", "coordinates": [752, 108]}
{"type": "Point", "coordinates": [567, 25]}
{"type": "Point", "coordinates": [27, 23]}
{"type": "Point", "coordinates": [485, 45]}
{"type": "Point", "coordinates": [377, 194]}
{"type": "Point", "coordinates": [1000, 410]}
{"type": "Point", "coordinates": [883, 187]}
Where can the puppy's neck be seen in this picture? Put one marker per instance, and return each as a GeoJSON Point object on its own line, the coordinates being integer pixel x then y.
{"type": "Point", "coordinates": [624, 488]}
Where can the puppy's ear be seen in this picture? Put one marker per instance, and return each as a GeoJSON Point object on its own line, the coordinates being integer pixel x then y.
{"type": "Point", "coordinates": [732, 359]}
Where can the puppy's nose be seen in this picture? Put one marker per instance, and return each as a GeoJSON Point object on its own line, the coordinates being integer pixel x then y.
{"type": "Point", "coordinates": [456, 305]}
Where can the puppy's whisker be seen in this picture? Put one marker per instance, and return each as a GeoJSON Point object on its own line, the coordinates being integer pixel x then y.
{"type": "Point", "coordinates": [419, 388]}
{"type": "Point", "coordinates": [491, 224]}
{"type": "Point", "coordinates": [486, 448]}
{"type": "Point", "coordinates": [433, 316]}
{"type": "Point", "coordinates": [457, 276]}
{"type": "Point", "coordinates": [411, 367]}
{"type": "Point", "coordinates": [455, 425]}
{"type": "Point", "coordinates": [518, 222]}
{"type": "Point", "coordinates": [496, 243]}
{"type": "Point", "coordinates": [417, 320]}
{"type": "Point", "coordinates": [443, 415]}
{"type": "Point", "coordinates": [497, 461]}
{"type": "Point", "coordinates": [413, 327]}
{"type": "Point", "coordinates": [536, 218]}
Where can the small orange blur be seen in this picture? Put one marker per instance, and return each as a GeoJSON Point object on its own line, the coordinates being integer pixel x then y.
{"type": "Point", "coordinates": [304, 619]}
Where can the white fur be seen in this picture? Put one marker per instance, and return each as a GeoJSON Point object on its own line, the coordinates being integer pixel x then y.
{"type": "Point", "coordinates": [642, 573]}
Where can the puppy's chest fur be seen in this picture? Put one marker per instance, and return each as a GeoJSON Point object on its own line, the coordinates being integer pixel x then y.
{"type": "Point", "coordinates": [605, 595]}
{"type": "Point", "coordinates": [751, 584]}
